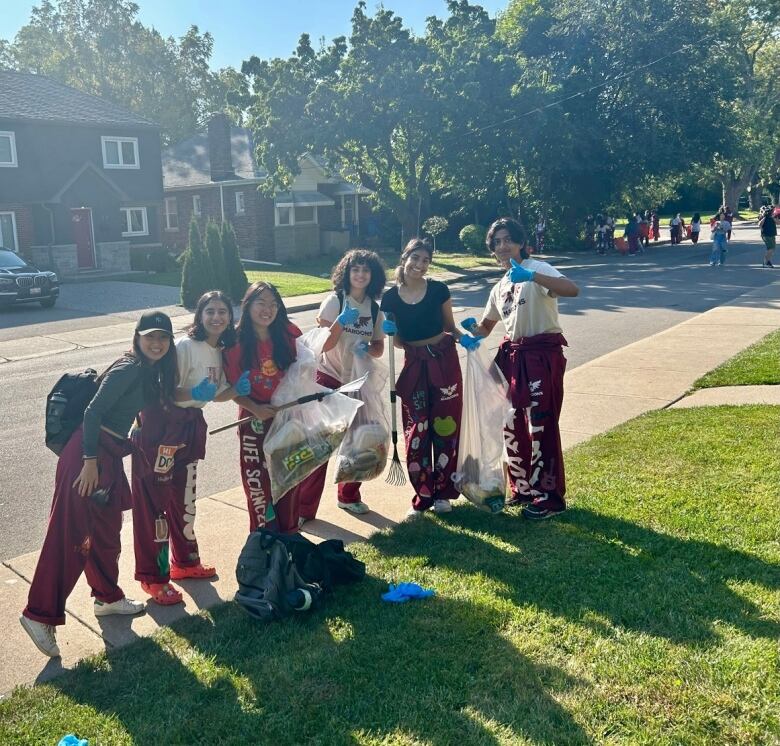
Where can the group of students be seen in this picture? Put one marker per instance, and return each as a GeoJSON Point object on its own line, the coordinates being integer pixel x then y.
{"type": "Point", "coordinates": [160, 388]}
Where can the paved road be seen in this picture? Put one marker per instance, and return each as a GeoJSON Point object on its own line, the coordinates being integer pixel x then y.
{"type": "Point", "coordinates": [622, 300]}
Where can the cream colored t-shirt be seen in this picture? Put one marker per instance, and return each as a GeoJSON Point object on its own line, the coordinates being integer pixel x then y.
{"type": "Point", "coordinates": [196, 361]}
{"type": "Point", "coordinates": [525, 308]}
{"type": "Point", "coordinates": [338, 361]}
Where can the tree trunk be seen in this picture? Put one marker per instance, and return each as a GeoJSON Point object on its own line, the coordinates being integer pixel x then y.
{"type": "Point", "coordinates": [754, 195]}
{"type": "Point", "coordinates": [732, 190]}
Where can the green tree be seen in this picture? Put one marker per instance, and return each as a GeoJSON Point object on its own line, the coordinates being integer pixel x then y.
{"type": "Point", "coordinates": [218, 279]}
{"type": "Point", "coordinates": [435, 225]}
{"type": "Point", "coordinates": [473, 238]}
{"type": "Point", "coordinates": [236, 277]}
{"type": "Point", "coordinates": [196, 274]}
{"type": "Point", "coordinates": [100, 47]}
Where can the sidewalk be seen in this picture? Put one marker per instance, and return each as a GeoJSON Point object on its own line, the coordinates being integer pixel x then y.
{"type": "Point", "coordinates": [653, 373]}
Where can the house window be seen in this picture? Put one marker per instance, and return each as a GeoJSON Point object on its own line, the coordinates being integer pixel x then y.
{"type": "Point", "coordinates": [349, 212]}
{"type": "Point", "coordinates": [8, 231]}
{"type": "Point", "coordinates": [196, 205]}
{"type": "Point", "coordinates": [171, 214]}
{"type": "Point", "coordinates": [120, 152]}
{"type": "Point", "coordinates": [305, 215]}
{"type": "Point", "coordinates": [8, 150]}
{"type": "Point", "coordinates": [240, 205]}
{"type": "Point", "coordinates": [134, 221]}
{"type": "Point", "coordinates": [283, 216]}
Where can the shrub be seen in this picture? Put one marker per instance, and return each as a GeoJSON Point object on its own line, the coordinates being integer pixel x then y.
{"type": "Point", "coordinates": [435, 225]}
{"type": "Point", "coordinates": [196, 273]}
{"type": "Point", "coordinates": [234, 270]}
{"type": "Point", "coordinates": [218, 280]}
{"type": "Point", "coordinates": [473, 238]}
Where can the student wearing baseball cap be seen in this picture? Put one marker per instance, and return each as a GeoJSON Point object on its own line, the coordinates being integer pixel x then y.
{"type": "Point", "coordinates": [91, 489]}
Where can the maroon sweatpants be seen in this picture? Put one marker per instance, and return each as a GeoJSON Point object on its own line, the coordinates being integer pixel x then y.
{"type": "Point", "coordinates": [534, 368]}
{"type": "Point", "coordinates": [170, 443]}
{"type": "Point", "coordinates": [255, 478]}
{"type": "Point", "coordinates": [308, 493]}
{"type": "Point", "coordinates": [81, 536]}
{"type": "Point", "coordinates": [430, 387]}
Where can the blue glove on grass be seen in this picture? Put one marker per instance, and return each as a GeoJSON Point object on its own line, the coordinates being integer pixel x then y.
{"type": "Point", "coordinates": [204, 391]}
{"type": "Point", "coordinates": [348, 316]}
{"type": "Point", "coordinates": [243, 385]}
{"type": "Point", "coordinates": [518, 273]}
{"type": "Point", "coordinates": [403, 592]}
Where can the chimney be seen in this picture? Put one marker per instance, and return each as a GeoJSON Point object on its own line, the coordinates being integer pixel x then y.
{"type": "Point", "coordinates": [220, 157]}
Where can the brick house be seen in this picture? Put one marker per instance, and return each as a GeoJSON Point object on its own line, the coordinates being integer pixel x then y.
{"type": "Point", "coordinates": [80, 177]}
{"type": "Point", "coordinates": [214, 176]}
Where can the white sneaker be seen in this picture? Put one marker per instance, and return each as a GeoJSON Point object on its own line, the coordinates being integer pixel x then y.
{"type": "Point", "coordinates": [413, 515]}
{"type": "Point", "coordinates": [358, 508]}
{"type": "Point", "coordinates": [442, 506]}
{"type": "Point", "coordinates": [43, 635]}
{"type": "Point", "coordinates": [123, 606]}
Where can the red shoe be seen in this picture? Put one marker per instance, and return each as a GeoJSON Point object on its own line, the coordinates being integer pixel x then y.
{"type": "Point", "coordinates": [197, 572]}
{"type": "Point", "coordinates": [163, 593]}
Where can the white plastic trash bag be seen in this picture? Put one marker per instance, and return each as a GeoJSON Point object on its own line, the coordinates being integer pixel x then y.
{"type": "Point", "coordinates": [480, 474]}
{"type": "Point", "coordinates": [304, 436]}
{"type": "Point", "coordinates": [363, 453]}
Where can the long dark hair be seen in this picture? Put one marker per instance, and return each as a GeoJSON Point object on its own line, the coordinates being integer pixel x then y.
{"type": "Point", "coordinates": [416, 244]}
{"type": "Point", "coordinates": [159, 378]}
{"type": "Point", "coordinates": [282, 339]}
{"type": "Point", "coordinates": [516, 233]}
{"type": "Point", "coordinates": [363, 258]}
{"type": "Point", "coordinates": [198, 332]}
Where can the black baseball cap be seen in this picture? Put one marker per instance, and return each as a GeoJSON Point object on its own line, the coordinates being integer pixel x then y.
{"type": "Point", "coordinates": [154, 321]}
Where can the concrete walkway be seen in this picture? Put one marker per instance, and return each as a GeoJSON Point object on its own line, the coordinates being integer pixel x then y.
{"type": "Point", "coordinates": [653, 373]}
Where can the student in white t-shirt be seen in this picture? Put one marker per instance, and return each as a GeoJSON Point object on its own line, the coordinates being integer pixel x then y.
{"type": "Point", "coordinates": [531, 358]}
{"type": "Point", "coordinates": [352, 314]}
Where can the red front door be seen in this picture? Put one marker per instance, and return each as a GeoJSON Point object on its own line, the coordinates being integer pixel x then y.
{"type": "Point", "coordinates": [81, 219]}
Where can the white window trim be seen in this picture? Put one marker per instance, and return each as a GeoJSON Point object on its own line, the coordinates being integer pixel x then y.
{"type": "Point", "coordinates": [13, 226]}
{"type": "Point", "coordinates": [276, 216]}
{"type": "Point", "coordinates": [197, 211]}
{"type": "Point", "coordinates": [170, 213]}
{"type": "Point", "coordinates": [106, 138]}
{"type": "Point", "coordinates": [14, 162]}
{"type": "Point", "coordinates": [355, 213]}
{"type": "Point", "coordinates": [127, 232]}
{"type": "Point", "coordinates": [241, 210]}
{"type": "Point", "coordinates": [305, 222]}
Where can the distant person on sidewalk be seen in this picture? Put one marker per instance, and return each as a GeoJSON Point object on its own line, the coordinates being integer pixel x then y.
{"type": "Point", "coordinates": [656, 223]}
{"type": "Point", "coordinates": [674, 228]}
{"type": "Point", "coordinates": [419, 314]}
{"type": "Point", "coordinates": [695, 227]}
{"type": "Point", "coordinates": [631, 233]}
{"type": "Point", "coordinates": [91, 489]}
{"type": "Point", "coordinates": [766, 223]}
{"type": "Point", "coordinates": [531, 358]}
{"type": "Point", "coordinates": [644, 228]}
{"type": "Point", "coordinates": [718, 255]}
{"type": "Point", "coordinates": [728, 216]}
{"type": "Point", "coordinates": [352, 314]}
{"type": "Point", "coordinates": [171, 440]}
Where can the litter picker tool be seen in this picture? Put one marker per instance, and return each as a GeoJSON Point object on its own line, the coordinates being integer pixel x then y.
{"type": "Point", "coordinates": [395, 474]}
{"type": "Point", "coordinates": [348, 388]}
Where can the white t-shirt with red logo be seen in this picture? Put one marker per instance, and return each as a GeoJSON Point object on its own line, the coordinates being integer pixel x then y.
{"type": "Point", "coordinates": [196, 361]}
{"type": "Point", "coordinates": [525, 308]}
{"type": "Point", "coordinates": [337, 362]}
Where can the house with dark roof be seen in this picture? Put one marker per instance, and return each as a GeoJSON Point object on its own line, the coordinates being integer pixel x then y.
{"type": "Point", "coordinates": [214, 176]}
{"type": "Point", "coordinates": [80, 177]}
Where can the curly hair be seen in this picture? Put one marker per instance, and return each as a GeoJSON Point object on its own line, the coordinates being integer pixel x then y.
{"type": "Point", "coordinates": [416, 244]}
{"type": "Point", "coordinates": [197, 331]}
{"type": "Point", "coordinates": [516, 233]}
{"type": "Point", "coordinates": [283, 341]}
{"type": "Point", "coordinates": [360, 258]}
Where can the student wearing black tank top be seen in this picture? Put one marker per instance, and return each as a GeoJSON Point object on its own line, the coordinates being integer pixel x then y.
{"type": "Point", "coordinates": [419, 314]}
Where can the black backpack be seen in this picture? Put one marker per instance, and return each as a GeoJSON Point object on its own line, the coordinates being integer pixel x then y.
{"type": "Point", "coordinates": [279, 574]}
{"type": "Point", "coordinates": [65, 406]}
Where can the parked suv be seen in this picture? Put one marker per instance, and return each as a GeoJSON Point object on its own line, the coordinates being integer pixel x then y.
{"type": "Point", "coordinates": [22, 283]}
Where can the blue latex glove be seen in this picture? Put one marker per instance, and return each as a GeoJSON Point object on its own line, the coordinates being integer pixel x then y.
{"type": "Point", "coordinates": [361, 349]}
{"type": "Point", "coordinates": [469, 343]}
{"type": "Point", "coordinates": [469, 324]}
{"type": "Point", "coordinates": [71, 740]}
{"type": "Point", "coordinates": [389, 327]}
{"type": "Point", "coordinates": [403, 592]}
{"type": "Point", "coordinates": [518, 273]}
{"type": "Point", "coordinates": [204, 391]}
{"type": "Point", "coordinates": [242, 385]}
{"type": "Point", "coordinates": [348, 316]}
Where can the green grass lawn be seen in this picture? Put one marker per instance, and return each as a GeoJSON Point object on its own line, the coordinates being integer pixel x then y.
{"type": "Point", "coordinates": [756, 365]}
{"type": "Point", "coordinates": [307, 277]}
{"type": "Point", "coordinates": [647, 614]}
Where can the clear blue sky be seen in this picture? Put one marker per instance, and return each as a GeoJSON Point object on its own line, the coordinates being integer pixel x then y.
{"type": "Point", "coordinates": [267, 28]}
